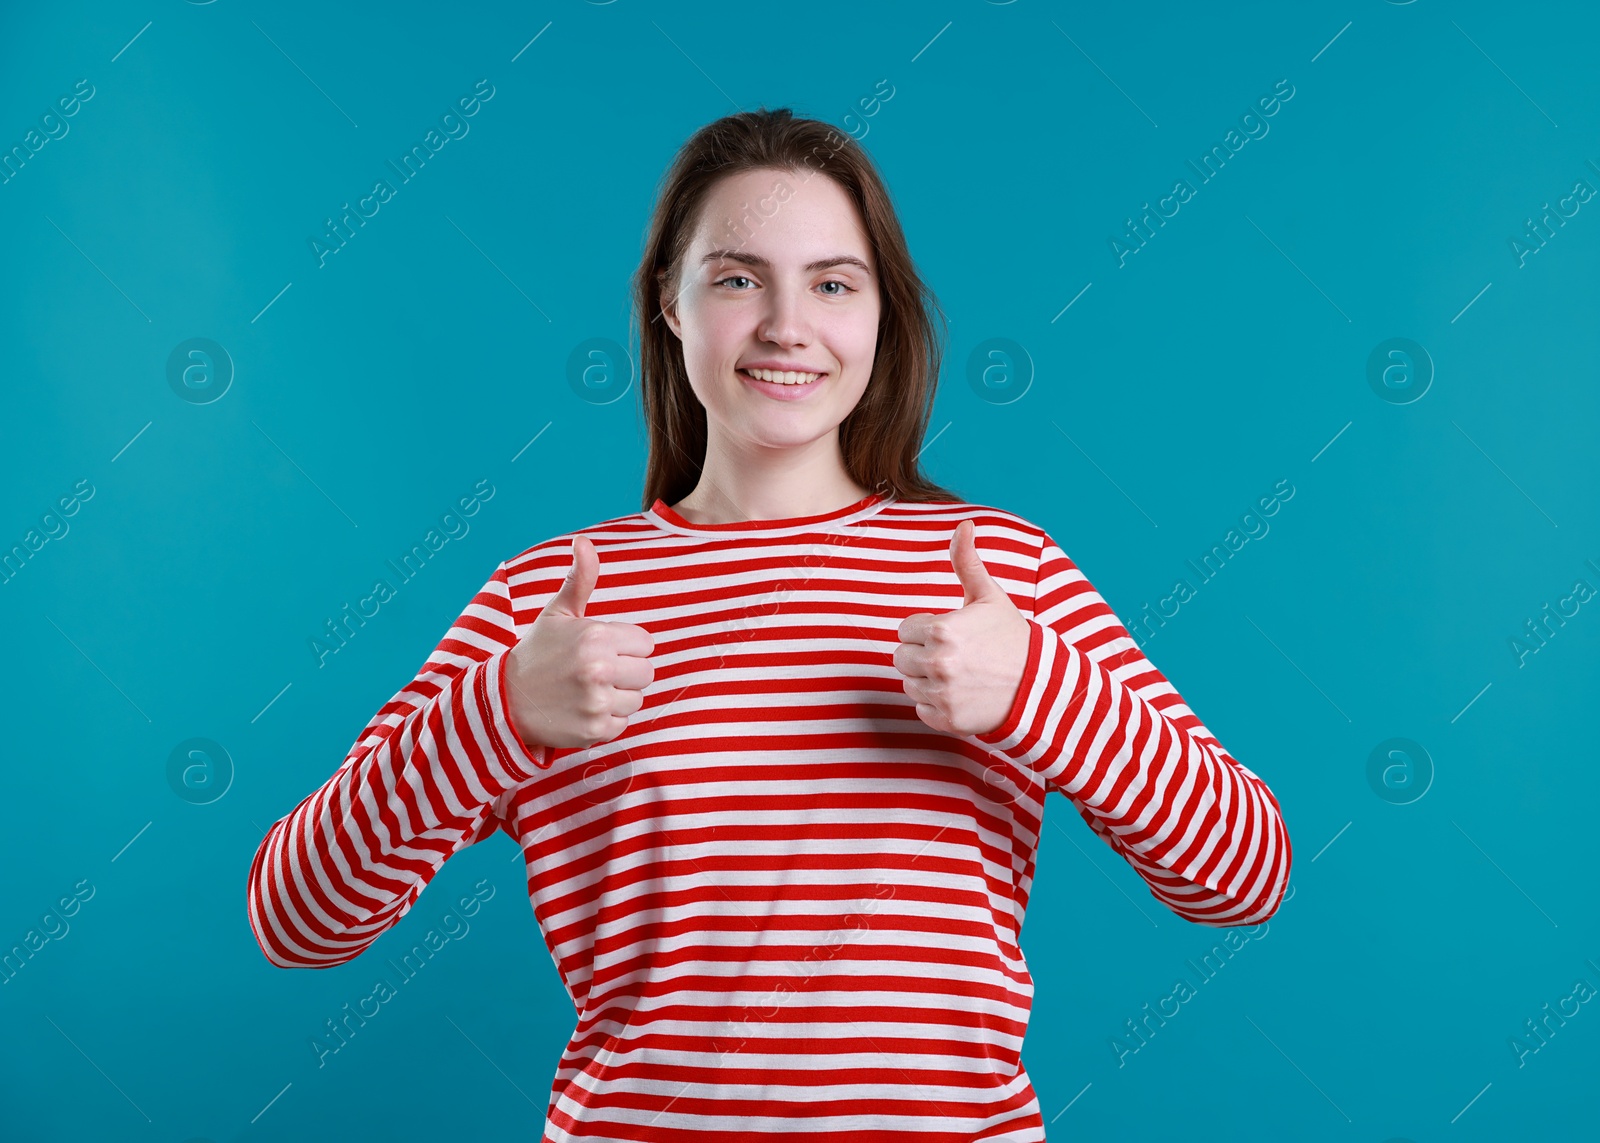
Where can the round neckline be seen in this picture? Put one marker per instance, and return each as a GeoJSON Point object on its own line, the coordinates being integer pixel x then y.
{"type": "Point", "coordinates": [663, 516]}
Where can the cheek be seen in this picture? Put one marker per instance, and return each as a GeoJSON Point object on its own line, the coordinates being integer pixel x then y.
{"type": "Point", "coordinates": [715, 337]}
{"type": "Point", "coordinates": [706, 391]}
{"type": "Point", "coordinates": [859, 336]}
{"type": "Point", "coordinates": [857, 348]}
{"type": "Point", "coordinates": [703, 334]}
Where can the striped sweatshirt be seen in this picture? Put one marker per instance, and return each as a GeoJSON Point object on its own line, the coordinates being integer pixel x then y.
{"type": "Point", "coordinates": [783, 906]}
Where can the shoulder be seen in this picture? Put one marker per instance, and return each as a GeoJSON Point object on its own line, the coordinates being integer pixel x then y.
{"type": "Point", "coordinates": [549, 559]}
{"type": "Point", "coordinates": [997, 529]}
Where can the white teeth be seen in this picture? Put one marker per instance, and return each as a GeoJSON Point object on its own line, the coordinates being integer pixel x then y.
{"type": "Point", "coordinates": [783, 378]}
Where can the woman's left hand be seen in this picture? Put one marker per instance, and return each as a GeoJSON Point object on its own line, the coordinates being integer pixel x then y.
{"type": "Point", "coordinates": [963, 668]}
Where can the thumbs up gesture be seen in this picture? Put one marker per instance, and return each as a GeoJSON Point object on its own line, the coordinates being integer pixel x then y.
{"type": "Point", "coordinates": [963, 668]}
{"type": "Point", "coordinates": [572, 681]}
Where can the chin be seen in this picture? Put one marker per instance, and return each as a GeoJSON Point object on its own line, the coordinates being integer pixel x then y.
{"type": "Point", "coordinates": [790, 432]}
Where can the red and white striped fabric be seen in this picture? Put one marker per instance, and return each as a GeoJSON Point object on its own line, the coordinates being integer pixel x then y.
{"type": "Point", "coordinates": [782, 904]}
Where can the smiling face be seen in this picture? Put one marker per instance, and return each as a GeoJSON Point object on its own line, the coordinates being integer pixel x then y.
{"type": "Point", "coordinates": [779, 276]}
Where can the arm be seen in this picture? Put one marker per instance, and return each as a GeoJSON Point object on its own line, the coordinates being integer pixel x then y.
{"type": "Point", "coordinates": [1096, 719]}
{"type": "Point", "coordinates": [418, 786]}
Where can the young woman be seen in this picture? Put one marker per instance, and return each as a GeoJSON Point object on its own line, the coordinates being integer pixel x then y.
{"type": "Point", "coordinates": [776, 748]}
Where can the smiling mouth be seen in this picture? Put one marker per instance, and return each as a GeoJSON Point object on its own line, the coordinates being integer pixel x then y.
{"type": "Point", "coordinates": [777, 377]}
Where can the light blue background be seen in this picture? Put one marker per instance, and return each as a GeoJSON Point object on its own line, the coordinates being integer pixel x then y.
{"type": "Point", "coordinates": [426, 354]}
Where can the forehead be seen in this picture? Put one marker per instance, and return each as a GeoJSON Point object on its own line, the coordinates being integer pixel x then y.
{"type": "Point", "coordinates": [781, 216]}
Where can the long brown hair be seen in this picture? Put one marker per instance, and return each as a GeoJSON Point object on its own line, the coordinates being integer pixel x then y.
{"type": "Point", "coordinates": [882, 436]}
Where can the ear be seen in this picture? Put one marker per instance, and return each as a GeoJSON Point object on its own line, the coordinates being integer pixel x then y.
{"type": "Point", "coordinates": [669, 307]}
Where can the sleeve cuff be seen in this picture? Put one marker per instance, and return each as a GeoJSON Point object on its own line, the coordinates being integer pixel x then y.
{"type": "Point", "coordinates": [1030, 674]}
{"type": "Point", "coordinates": [1038, 729]}
{"type": "Point", "coordinates": [519, 759]}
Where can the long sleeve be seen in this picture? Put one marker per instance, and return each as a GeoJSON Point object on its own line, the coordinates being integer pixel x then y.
{"type": "Point", "coordinates": [1096, 719]}
{"type": "Point", "coordinates": [418, 786]}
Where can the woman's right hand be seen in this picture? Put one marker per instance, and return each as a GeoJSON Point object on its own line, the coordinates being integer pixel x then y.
{"type": "Point", "coordinates": [572, 682]}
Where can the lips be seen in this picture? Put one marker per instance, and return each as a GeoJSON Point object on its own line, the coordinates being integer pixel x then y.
{"type": "Point", "coordinates": [778, 391]}
{"type": "Point", "coordinates": [776, 376]}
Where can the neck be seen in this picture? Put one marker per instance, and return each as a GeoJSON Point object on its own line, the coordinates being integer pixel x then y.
{"type": "Point", "coordinates": [740, 484]}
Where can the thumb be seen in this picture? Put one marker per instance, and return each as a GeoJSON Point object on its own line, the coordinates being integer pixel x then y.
{"type": "Point", "coordinates": [978, 586]}
{"type": "Point", "coordinates": [574, 592]}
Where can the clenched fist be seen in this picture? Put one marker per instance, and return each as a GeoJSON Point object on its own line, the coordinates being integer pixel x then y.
{"type": "Point", "coordinates": [572, 682]}
{"type": "Point", "coordinates": [963, 668]}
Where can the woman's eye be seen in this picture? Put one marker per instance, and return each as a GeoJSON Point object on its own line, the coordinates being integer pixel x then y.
{"type": "Point", "coordinates": [844, 288]}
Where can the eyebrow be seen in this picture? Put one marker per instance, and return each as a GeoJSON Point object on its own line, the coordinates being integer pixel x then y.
{"type": "Point", "coordinates": [762, 264]}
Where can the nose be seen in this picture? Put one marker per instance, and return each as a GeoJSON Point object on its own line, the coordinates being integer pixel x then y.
{"type": "Point", "coordinates": [784, 321]}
